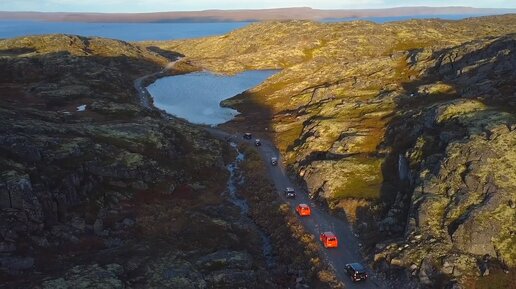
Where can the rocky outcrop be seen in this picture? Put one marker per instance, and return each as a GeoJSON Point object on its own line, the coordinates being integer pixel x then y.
{"type": "Point", "coordinates": [93, 276]}
{"type": "Point", "coordinates": [65, 174]}
{"type": "Point", "coordinates": [112, 195]}
{"type": "Point", "coordinates": [408, 127]}
{"type": "Point", "coordinates": [461, 159]}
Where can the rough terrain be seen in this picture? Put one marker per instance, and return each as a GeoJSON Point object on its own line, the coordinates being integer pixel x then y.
{"type": "Point", "coordinates": [97, 191]}
{"type": "Point", "coordinates": [407, 129]}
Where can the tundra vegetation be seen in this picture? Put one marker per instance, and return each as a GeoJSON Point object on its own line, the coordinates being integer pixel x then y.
{"type": "Point", "coordinates": [408, 129]}
{"type": "Point", "coordinates": [115, 195]}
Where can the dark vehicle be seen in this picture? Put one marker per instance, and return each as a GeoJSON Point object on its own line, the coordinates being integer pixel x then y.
{"type": "Point", "coordinates": [248, 135]}
{"type": "Point", "coordinates": [274, 161]}
{"type": "Point", "coordinates": [257, 142]}
{"type": "Point", "coordinates": [290, 193]}
{"type": "Point", "coordinates": [356, 271]}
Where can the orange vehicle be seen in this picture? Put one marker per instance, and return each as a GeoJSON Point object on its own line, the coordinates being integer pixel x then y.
{"type": "Point", "coordinates": [329, 240]}
{"type": "Point", "coordinates": [303, 210]}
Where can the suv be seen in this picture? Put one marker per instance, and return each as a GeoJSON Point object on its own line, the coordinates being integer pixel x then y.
{"type": "Point", "coordinates": [356, 271]}
{"type": "Point", "coordinates": [257, 142]}
{"type": "Point", "coordinates": [274, 161]}
{"type": "Point", "coordinates": [290, 193]}
{"type": "Point", "coordinates": [303, 210]}
{"type": "Point", "coordinates": [248, 135]}
{"type": "Point", "coordinates": [329, 240]}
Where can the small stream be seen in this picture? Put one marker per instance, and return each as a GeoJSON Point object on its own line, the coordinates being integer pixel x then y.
{"type": "Point", "coordinates": [236, 179]}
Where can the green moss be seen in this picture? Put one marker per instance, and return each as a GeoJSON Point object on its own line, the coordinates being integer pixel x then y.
{"type": "Point", "coordinates": [459, 108]}
{"type": "Point", "coordinates": [505, 242]}
{"type": "Point", "coordinates": [402, 71]}
{"type": "Point", "coordinates": [288, 136]}
{"type": "Point", "coordinates": [131, 160]}
{"type": "Point", "coordinates": [363, 179]}
{"type": "Point", "coordinates": [410, 44]}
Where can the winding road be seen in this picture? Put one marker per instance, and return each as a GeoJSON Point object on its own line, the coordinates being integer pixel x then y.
{"type": "Point", "coordinates": [319, 221]}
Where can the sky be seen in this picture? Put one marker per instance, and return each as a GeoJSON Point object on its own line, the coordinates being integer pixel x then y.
{"type": "Point", "coordinates": [195, 5]}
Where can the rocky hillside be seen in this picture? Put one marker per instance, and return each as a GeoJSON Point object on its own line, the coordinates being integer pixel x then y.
{"type": "Point", "coordinates": [98, 192]}
{"type": "Point", "coordinates": [406, 127]}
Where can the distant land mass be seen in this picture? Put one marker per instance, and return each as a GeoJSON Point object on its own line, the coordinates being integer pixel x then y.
{"type": "Point", "coordinates": [302, 13]}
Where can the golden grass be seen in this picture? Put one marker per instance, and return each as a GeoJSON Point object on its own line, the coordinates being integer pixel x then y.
{"type": "Point", "coordinates": [286, 138]}
{"type": "Point", "coordinates": [364, 181]}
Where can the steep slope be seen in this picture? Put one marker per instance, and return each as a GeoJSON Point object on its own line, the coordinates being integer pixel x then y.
{"type": "Point", "coordinates": [406, 127]}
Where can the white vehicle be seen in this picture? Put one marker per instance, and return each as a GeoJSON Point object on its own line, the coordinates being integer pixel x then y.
{"type": "Point", "coordinates": [274, 161]}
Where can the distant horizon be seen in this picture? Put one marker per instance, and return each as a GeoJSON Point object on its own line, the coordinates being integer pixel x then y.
{"type": "Point", "coordinates": [265, 9]}
{"type": "Point", "coordinates": [250, 15]}
{"type": "Point", "coordinates": [158, 6]}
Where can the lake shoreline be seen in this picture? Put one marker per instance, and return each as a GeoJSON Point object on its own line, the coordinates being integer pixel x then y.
{"type": "Point", "coordinates": [209, 89]}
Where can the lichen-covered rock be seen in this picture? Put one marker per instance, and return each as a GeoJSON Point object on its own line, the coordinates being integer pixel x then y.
{"type": "Point", "coordinates": [231, 278]}
{"type": "Point", "coordinates": [89, 277]}
{"type": "Point", "coordinates": [417, 117]}
{"type": "Point", "coordinates": [462, 168]}
{"type": "Point", "coordinates": [105, 183]}
{"type": "Point", "coordinates": [173, 272]}
{"type": "Point", "coordinates": [225, 259]}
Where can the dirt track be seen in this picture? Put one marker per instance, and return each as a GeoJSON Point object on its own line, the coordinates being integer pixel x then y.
{"type": "Point", "coordinates": [319, 221]}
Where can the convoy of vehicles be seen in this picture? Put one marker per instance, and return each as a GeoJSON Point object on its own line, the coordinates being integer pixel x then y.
{"type": "Point", "coordinates": [328, 239]}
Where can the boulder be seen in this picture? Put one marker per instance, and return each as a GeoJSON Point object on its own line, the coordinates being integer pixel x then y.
{"type": "Point", "coordinates": [170, 271]}
{"type": "Point", "coordinates": [459, 265]}
{"type": "Point", "coordinates": [225, 259]}
{"type": "Point", "coordinates": [15, 264]}
{"type": "Point", "coordinates": [231, 278]}
{"type": "Point", "coordinates": [86, 277]}
{"type": "Point", "coordinates": [427, 272]}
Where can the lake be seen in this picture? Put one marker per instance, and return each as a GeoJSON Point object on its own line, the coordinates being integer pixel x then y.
{"type": "Point", "coordinates": [196, 96]}
{"type": "Point", "coordinates": [158, 31]}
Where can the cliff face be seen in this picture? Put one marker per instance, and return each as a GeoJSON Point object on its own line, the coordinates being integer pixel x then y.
{"type": "Point", "coordinates": [407, 127]}
{"type": "Point", "coordinates": [454, 139]}
{"type": "Point", "coordinates": [96, 191]}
